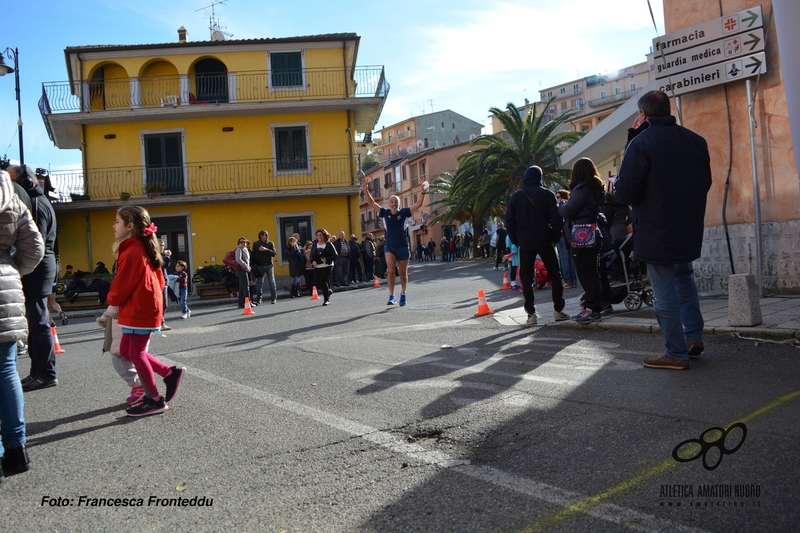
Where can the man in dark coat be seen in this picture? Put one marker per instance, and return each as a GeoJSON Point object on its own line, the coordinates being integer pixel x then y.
{"type": "Point", "coordinates": [38, 285]}
{"type": "Point", "coordinates": [666, 175]}
{"type": "Point", "coordinates": [500, 244]}
{"type": "Point", "coordinates": [534, 226]}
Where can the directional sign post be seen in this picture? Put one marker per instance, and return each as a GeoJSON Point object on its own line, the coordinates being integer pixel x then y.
{"type": "Point", "coordinates": [717, 74]}
{"type": "Point", "coordinates": [709, 31]}
{"type": "Point", "coordinates": [709, 53]}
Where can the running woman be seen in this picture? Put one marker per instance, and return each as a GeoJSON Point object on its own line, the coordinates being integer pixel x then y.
{"type": "Point", "coordinates": [397, 250]}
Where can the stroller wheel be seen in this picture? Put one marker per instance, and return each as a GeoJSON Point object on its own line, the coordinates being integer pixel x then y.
{"type": "Point", "coordinates": [648, 297]}
{"type": "Point", "coordinates": [633, 301]}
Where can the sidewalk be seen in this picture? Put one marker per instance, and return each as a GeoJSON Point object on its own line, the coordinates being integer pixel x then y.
{"type": "Point", "coordinates": [780, 318]}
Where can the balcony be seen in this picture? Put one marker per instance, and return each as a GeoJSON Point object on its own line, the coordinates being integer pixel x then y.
{"type": "Point", "coordinates": [65, 106]}
{"type": "Point", "coordinates": [405, 134]}
{"type": "Point", "coordinates": [220, 180]}
{"type": "Point", "coordinates": [599, 102]}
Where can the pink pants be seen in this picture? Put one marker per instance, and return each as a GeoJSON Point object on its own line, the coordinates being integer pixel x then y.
{"type": "Point", "coordinates": [134, 349]}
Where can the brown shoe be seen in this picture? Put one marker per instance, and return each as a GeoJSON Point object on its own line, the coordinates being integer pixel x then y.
{"type": "Point", "coordinates": [666, 362]}
{"type": "Point", "coordinates": [695, 347]}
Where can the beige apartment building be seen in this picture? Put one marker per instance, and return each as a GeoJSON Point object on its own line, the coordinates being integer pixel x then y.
{"type": "Point", "coordinates": [590, 99]}
{"type": "Point", "coordinates": [423, 132]}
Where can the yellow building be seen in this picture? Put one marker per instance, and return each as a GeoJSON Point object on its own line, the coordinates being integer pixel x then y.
{"type": "Point", "coordinates": [216, 139]}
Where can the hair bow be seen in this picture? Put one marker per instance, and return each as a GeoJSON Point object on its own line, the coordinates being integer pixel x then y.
{"type": "Point", "coordinates": [149, 230]}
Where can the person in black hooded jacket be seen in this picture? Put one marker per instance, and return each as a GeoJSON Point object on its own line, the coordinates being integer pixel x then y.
{"type": "Point", "coordinates": [38, 285]}
{"type": "Point", "coordinates": [534, 226]}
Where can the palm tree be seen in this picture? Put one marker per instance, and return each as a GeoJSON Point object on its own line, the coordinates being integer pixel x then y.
{"type": "Point", "coordinates": [487, 175]}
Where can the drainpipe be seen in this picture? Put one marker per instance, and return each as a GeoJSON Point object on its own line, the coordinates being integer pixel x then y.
{"type": "Point", "coordinates": [85, 174]}
{"type": "Point", "coordinates": [344, 66]}
{"type": "Point", "coordinates": [349, 132]}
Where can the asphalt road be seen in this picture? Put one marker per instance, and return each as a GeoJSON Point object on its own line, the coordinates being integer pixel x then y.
{"type": "Point", "coordinates": [365, 417]}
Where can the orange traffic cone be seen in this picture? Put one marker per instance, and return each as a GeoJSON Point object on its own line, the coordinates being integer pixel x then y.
{"type": "Point", "coordinates": [248, 310]}
{"type": "Point", "coordinates": [59, 349]}
{"type": "Point", "coordinates": [506, 283]}
{"type": "Point", "coordinates": [377, 284]}
{"type": "Point", "coordinates": [483, 307]}
{"type": "Point", "coordinates": [314, 295]}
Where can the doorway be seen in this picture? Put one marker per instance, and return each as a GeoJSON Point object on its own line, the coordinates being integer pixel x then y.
{"type": "Point", "coordinates": [174, 232]}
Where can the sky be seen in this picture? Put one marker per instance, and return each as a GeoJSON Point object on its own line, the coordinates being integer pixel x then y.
{"type": "Point", "coordinates": [469, 58]}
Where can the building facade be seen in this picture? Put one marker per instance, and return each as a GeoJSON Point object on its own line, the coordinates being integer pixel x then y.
{"type": "Point", "coordinates": [217, 139]}
{"type": "Point", "coordinates": [433, 130]}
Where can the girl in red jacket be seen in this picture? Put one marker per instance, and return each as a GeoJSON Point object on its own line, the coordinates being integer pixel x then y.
{"type": "Point", "coordinates": [137, 291]}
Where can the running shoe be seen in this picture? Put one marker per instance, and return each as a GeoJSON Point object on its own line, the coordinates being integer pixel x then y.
{"type": "Point", "coordinates": [147, 406]}
{"type": "Point", "coordinates": [402, 300]}
{"type": "Point", "coordinates": [392, 300]}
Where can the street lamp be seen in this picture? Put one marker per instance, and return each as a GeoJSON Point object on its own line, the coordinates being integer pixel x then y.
{"type": "Point", "coordinates": [5, 69]}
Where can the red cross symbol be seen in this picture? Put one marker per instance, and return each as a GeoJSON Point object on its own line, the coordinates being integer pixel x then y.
{"type": "Point", "coordinates": [731, 24]}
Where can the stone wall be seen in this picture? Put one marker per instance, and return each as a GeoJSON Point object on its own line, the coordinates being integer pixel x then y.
{"type": "Point", "coordinates": [781, 257]}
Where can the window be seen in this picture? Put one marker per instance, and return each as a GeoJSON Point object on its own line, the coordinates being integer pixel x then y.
{"type": "Point", "coordinates": [423, 170]}
{"type": "Point", "coordinates": [286, 69]}
{"type": "Point", "coordinates": [405, 176]}
{"type": "Point", "coordinates": [563, 106]}
{"type": "Point", "coordinates": [414, 175]}
{"type": "Point", "coordinates": [563, 90]}
{"type": "Point", "coordinates": [576, 88]}
{"type": "Point", "coordinates": [584, 127]}
{"type": "Point", "coordinates": [633, 87]}
{"type": "Point", "coordinates": [549, 94]}
{"type": "Point", "coordinates": [405, 201]}
{"type": "Point", "coordinates": [576, 103]}
{"type": "Point", "coordinates": [454, 126]}
{"type": "Point", "coordinates": [211, 81]}
{"type": "Point", "coordinates": [522, 112]}
{"type": "Point", "coordinates": [290, 148]}
{"type": "Point", "coordinates": [163, 161]}
{"type": "Point", "coordinates": [291, 225]}
{"type": "Point", "coordinates": [602, 94]}
{"type": "Point", "coordinates": [617, 90]}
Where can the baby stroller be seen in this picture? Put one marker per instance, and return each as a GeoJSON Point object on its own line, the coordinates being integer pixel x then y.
{"type": "Point", "coordinates": [627, 277]}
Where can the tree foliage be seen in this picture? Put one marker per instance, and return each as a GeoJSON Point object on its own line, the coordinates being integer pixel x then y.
{"type": "Point", "coordinates": [488, 174]}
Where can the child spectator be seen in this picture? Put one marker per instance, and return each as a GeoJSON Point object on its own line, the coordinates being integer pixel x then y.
{"type": "Point", "coordinates": [136, 299]}
{"type": "Point", "coordinates": [183, 282]}
{"type": "Point", "coordinates": [111, 342]}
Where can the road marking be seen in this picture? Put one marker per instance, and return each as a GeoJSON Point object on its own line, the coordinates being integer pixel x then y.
{"type": "Point", "coordinates": [392, 442]}
{"type": "Point", "coordinates": [588, 503]}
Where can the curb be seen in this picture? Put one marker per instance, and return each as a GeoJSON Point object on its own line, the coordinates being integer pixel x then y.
{"type": "Point", "coordinates": [765, 333]}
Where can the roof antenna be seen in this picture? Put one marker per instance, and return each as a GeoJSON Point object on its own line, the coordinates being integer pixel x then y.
{"type": "Point", "coordinates": [213, 23]}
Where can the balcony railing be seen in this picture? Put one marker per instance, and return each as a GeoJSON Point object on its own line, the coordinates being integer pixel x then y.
{"type": "Point", "coordinates": [206, 178]}
{"type": "Point", "coordinates": [610, 99]}
{"type": "Point", "coordinates": [405, 134]}
{"type": "Point", "coordinates": [196, 89]}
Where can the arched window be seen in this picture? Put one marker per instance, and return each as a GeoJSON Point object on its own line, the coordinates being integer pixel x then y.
{"type": "Point", "coordinates": [211, 81]}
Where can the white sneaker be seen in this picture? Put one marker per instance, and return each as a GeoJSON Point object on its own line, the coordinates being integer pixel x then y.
{"type": "Point", "coordinates": [185, 316]}
{"type": "Point", "coordinates": [532, 320]}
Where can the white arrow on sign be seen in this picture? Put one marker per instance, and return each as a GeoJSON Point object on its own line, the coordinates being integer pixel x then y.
{"type": "Point", "coordinates": [717, 74]}
{"type": "Point", "coordinates": [709, 31]}
{"type": "Point", "coordinates": [708, 54]}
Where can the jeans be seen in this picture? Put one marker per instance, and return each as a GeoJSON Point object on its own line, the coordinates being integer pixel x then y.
{"type": "Point", "coordinates": [567, 262]}
{"type": "Point", "coordinates": [41, 347]}
{"type": "Point", "coordinates": [12, 418]}
{"type": "Point", "coordinates": [182, 295]}
{"type": "Point", "coordinates": [527, 258]}
{"type": "Point", "coordinates": [244, 286]}
{"type": "Point", "coordinates": [369, 268]}
{"type": "Point", "coordinates": [586, 265]}
{"type": "Point", "coordinates": [342, 266]}
{"type": "Point", "coordinates": [677, 306]}
{"type": "Point", "coordinates": [269, 276]}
